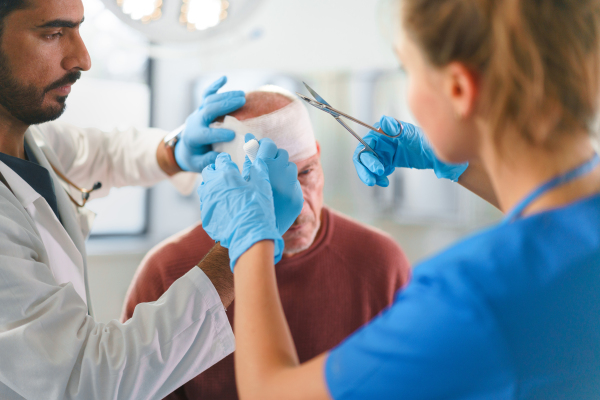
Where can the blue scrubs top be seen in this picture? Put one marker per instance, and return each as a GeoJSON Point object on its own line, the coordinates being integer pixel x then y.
{"type": "Point", "coordinates": [510, 313]}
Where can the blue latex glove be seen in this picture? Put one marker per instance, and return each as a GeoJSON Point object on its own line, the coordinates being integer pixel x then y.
{"type": "Point", "coordinates": [283, 175]}
{"type": "Point", "coordinates": [238, 212]}
{"type": "Point", "coordinates": [410, 150]}
{"type": "Point", "coordinates": [193, 151]}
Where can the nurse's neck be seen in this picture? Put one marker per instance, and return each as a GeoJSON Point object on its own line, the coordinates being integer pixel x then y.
{"type": "Point", "coordinates": [12, 135]}
{"type": "Point", "coordinates": [517, 167]}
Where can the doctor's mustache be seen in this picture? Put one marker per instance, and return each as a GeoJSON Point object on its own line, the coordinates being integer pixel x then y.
{"type": "Point", "coordinates": [70, 78]}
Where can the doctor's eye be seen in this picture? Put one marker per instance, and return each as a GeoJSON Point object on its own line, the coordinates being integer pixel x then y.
{"type": "Point", "coordinates": [53, 36]}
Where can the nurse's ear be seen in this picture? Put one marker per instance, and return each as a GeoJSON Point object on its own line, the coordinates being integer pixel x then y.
{"type": "Point", "coordinates": [461, 86]}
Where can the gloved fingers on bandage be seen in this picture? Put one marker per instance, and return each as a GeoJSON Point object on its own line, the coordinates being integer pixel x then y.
{"type": "Point", "coordinates": [251, 149]}
{"type": "Point", "coordinates": [282, 178]}
{"type": "Point", "coordinates": [246, 168]}
{"type": "Point", "coordinates": [267, 149]}
{"type": "Point", "coordinates": [258, 173]}
{"type": "Point", "coordinates": [207, 171]}
{"type": "Point", "coordinates": [208, 136]}
{"type": "Point", "coordinates": [248, 137]}
{"type": "Point", "coordinates": [193, 151]}
{"type": "Point", "coordinates": [284, 156]}
{"type": "Point", "coordinates": [220, 108]}
{"type": "Point", "coordinates": [289, 127]}
{"type": "Point", "coordinates": [226, 96]}
{"type": "Point", "coordinates": [215, 86]}
{"type": "Point", "coordinates": [196, 162]}
{"type": "Point", "coordinates": [237, 212]}
{"type": "Point", "coordinates": [224, 162]}
{"type": "Point", "coordinates": [247, 162]}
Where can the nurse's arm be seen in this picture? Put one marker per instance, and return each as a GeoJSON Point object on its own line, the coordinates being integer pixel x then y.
{"type": "Point", "coordinates": [476, 179]}
{"type": "Point", "coordinates": [266, 363]}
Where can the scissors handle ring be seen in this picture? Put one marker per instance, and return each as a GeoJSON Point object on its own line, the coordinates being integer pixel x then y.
{"type": "Point", "coordinates": [366, 150]}
{"type": "Point", "coordinates": [394, 136]}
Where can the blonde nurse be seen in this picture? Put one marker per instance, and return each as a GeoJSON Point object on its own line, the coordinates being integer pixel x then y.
{"type": "Point", "coordinates": [510, 87]}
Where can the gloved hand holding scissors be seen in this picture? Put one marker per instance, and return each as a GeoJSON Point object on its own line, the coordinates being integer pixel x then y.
{"type": "Point", "coordinates": [410, 150]}
{"type": "Point", "coordinates": [239, 211]}
{"type": "Point", "coordinates": [388, 146]}
{"type": "Point", "coordinates": [193, 152]}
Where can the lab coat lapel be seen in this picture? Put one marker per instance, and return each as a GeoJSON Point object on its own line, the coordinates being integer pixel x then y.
{"type": "Point", "coordinates": [66, 209]}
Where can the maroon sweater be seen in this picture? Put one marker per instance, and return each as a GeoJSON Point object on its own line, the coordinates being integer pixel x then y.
{"type": "Point", "coordinates": [349, 274]}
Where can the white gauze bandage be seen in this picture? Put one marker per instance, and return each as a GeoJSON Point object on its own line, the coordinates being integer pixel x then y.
{"type": "Point", "coordinates": [289, 127]}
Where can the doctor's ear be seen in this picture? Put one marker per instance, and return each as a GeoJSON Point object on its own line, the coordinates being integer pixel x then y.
{"type": "Point", "coordinates": [461, 86]}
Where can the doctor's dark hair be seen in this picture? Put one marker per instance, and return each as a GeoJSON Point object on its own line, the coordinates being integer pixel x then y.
{"type": "Point", "coordinates": [535, 58]}
{"type": "Point", "coordinates": [8, 6]}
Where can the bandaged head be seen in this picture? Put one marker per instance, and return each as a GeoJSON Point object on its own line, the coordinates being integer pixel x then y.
{"type": "Point", "coordinates": [289, 127]}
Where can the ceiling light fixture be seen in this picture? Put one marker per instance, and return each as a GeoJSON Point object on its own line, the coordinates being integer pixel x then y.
{"type": "Point", "coordinates": [179, 22]}
{"type": "Point", "coordinates": [199, 15]}
{"type": "Point", "coordinates": [142, 10]}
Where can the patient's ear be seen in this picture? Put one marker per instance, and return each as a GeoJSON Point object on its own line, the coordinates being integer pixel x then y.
{"type": "Point", "coordinates": [318, 148]}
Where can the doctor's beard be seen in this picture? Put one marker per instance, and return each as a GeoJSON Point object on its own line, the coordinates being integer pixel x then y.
{"type": "Point", "coordinates": [25, 102]}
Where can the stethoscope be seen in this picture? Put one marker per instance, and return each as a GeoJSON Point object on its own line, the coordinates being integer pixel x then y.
{"type": "Point", "coordinates": [85, 193]}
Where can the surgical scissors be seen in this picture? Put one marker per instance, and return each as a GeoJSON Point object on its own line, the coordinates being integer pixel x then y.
{"type": "Point", "coordinates": [322, 105]}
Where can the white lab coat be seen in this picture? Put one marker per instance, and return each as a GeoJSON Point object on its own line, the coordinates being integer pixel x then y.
{"type": "Point", "coordinates": [50, 347]}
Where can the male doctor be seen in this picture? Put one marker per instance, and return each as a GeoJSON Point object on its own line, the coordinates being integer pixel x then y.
{"type": "Point", "coordinates": [50, 345]}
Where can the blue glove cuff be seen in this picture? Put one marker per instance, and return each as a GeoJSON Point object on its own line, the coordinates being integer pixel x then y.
{"type": "Point", "coordinates": [179, 153]}
{"type": "Point", "coordinates": [449, 171]}
{"type": "Point", "coordinates": [244, 240]}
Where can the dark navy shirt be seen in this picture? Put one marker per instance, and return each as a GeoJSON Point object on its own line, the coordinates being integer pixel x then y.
{"type": "Point", "coordinates": [35, 175]}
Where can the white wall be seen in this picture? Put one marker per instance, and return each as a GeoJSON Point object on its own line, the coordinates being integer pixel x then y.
{"type": "Point", "coordinates": [311, 36]}
{"type": "Point", "coordinates": [298, 38]}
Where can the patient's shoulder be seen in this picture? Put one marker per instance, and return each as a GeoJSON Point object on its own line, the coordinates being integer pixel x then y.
{"type": "Point", "coordinates": [190, 242]}
{"type": "Point", "coordinates": [352, 231]}
{"type": "Point", "coordinates": [364, 245]}
{"type": "Point", "coordinates": [164, 264]}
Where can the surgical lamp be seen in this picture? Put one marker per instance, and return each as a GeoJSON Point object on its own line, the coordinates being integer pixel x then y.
{"type": "Point", "coordinates": [181, 21]}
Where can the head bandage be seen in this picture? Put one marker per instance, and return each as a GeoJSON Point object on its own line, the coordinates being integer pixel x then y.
{"type": "Point", "coordinates": [289, 127]}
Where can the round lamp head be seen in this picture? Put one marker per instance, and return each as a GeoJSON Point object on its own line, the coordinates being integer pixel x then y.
{"type": "Point", "coordinates": [181, 21]}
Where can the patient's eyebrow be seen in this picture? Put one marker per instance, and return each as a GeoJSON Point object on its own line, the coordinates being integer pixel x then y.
{"type": "Point", "coordinates": [310, 165]}
{"type": "Point", "coordinates": [61, 23]}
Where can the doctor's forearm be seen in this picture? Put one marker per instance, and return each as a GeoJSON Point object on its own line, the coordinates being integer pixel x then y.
{"type": "Point", "coordinates": [216, 267]}
{"type": "Point", "coordinates": [166, 159]}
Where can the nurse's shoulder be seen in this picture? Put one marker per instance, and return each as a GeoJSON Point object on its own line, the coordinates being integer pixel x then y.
{"type": "Point", "coordinates": [530, 254]}
{"type": "Point", "coordinates": [537, 281]}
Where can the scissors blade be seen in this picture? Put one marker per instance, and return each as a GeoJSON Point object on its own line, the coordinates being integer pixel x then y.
{"type": "Point", "coordinates": [319, 105]}
{"type": "Point", "coordinates": [367, 147]}
{"type": "Point", "coordinates": [316, 95]}
{"type": "Point", "coordinates": [325, 106]}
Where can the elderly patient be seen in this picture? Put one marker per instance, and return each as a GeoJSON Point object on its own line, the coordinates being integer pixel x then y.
{"type": "Point", "coordinates": [331, 281]}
